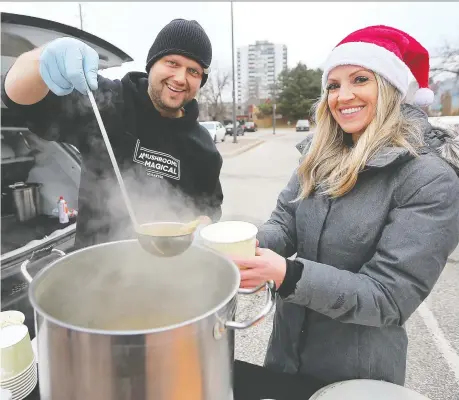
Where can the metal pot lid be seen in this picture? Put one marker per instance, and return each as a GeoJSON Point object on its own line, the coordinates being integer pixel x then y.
{"type": "Point", "coordinates": [363, 389]}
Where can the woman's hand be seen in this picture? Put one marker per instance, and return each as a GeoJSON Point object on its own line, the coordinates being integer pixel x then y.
{"type": "Point", "coordinates": [266, 265]}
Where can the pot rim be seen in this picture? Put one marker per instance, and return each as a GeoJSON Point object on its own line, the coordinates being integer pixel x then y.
{"type": "Point", "coordinates": [77, 328]}
{"type": "Point", "coordinates": [18, 186]}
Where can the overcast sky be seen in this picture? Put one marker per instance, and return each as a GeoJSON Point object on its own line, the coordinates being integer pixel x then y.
{"type": "Point", "coordinates": [310, 30]}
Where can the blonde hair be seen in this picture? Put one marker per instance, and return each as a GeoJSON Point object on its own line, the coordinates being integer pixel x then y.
{"type": "Point", "coordinates": [332, 166]}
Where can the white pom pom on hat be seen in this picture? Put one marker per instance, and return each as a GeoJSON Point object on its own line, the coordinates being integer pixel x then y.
{"type": "Point", "coordinates": [423, 97]}
{"type": "Point", "coordinates": [391, 53]}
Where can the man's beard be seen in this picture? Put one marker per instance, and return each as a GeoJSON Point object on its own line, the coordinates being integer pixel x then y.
{"type": "Point", "coordinates": [155, 96]}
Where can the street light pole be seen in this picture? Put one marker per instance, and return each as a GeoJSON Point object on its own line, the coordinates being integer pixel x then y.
{"type": "Point", "coordinates": [81, 16]}
{"type": "Point", "coordinates": [234, 79]}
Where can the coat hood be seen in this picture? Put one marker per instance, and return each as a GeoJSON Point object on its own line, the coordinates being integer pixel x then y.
{"type": "Point", "coordinates": [442, 140]}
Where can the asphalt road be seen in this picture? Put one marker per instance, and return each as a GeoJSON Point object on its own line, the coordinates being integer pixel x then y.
{"type": "Point", "coordinates": [251, 182]}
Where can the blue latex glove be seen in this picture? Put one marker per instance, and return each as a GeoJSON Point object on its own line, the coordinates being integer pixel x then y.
{"type": "Point", "coordinates": [67, 64]}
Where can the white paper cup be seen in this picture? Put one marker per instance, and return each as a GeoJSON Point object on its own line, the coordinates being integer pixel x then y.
{"type": "Point", "coordinates": [15, 351]}
{"type": "Point", "coordinates": [6, 394]}
{"type": "Point", "coordinates": [232, 238]}
{"type": "Point", "coordinates": [11, 317]}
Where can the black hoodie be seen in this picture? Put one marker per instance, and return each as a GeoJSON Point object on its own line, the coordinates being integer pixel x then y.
{"type": "Point", "coordinates": [171, 166]}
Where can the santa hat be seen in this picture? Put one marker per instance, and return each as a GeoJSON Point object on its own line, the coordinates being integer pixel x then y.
{"type": "Point", "coordinates": [389, 52]}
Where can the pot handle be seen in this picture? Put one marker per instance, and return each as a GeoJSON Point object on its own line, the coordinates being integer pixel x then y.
{"type": "Point", "coordinates": [270, 301]}
{"type": "Point", "coordinates": [24, 265]}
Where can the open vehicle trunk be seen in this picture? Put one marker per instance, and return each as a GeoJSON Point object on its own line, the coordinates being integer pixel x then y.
{"type": "Point", "coordinates": [27, 158]}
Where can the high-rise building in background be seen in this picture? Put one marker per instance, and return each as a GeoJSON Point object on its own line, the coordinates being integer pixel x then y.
{"type": "Point", "coordinates": [258, 65]}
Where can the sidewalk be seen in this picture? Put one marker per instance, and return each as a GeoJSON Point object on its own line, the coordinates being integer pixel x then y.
{"type": "Point", "coordinates": [229, 149]}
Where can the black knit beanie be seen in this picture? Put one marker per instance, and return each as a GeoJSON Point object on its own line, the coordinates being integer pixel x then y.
{"type": "Point", "coordinates": [186, 38]}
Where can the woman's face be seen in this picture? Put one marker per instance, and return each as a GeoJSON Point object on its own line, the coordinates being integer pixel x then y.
{"type": "Point", "coordinates": [352, 97]}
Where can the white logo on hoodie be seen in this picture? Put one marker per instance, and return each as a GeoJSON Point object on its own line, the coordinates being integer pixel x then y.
{"type": "Point", "coordinates": [157, 163]}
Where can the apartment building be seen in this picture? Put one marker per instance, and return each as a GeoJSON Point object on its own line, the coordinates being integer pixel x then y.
{"type": "Point", "coordinates": [258, 65]}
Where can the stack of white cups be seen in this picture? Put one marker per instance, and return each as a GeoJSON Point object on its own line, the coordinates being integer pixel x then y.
{"type": "Point", "coordinates": [18, 374]}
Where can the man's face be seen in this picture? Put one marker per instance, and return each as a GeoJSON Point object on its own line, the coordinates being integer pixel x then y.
{"type": "Point", "coordinates": [173, 81]}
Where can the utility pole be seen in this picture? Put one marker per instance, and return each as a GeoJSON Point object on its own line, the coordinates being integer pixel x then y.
{"type": "Point", "coordinates": [81, 16]}
{"type": "Point", "coordinates": [274, 99]}
{"type": "Point", "coordinates": [234, 79]}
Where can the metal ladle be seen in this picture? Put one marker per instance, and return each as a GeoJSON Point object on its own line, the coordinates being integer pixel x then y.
{"type": "Point", "coordinates": [164, 239]}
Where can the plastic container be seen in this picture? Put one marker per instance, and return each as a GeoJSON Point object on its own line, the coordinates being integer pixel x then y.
{"type": "Point", "coordinates": [62, 211]}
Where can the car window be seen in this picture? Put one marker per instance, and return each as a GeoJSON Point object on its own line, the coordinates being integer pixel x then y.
{"type": "Point", "coordinates": [208, 125]}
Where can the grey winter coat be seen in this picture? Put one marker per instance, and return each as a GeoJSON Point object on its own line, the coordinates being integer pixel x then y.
{"type": "Point", "coordinates": [370, 259]}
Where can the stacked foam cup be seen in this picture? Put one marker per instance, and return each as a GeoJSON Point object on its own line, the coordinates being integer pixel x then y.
{"type": "Point", "coordinates": [18, 372]}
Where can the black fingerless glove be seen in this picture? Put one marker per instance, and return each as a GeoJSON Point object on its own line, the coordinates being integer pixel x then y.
{"type": "Point", "coordinates": [292, 276]}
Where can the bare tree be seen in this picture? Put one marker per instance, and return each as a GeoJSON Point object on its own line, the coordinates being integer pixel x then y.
{"type": "Point", "coordinates": [211, 94]}
{"type": "Point", "coordinates": [447, 61]}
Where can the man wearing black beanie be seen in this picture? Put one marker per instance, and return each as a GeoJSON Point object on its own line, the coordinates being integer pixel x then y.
{"type": "Point", "coordinates": [170, 164]}
{"type": "Point", "coordinates": [189, 44]}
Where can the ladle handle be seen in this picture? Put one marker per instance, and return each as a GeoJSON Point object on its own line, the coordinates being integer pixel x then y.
{"type": "Point", "coordinates": [112, 158]}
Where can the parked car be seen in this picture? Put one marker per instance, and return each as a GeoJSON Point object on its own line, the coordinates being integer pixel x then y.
{"type": "Point", "coordinates": [216, 130]}
{"type": "Point", "coordinates": [25, 157]}
{"type": "Point", "coordinates": [239, 129]}
{"type": "Point", "coordinates": [250, 126]}
{"type": "Point", "coordinates": [302, 125]}
{"type": "Point", "coordinates": [449, 122]}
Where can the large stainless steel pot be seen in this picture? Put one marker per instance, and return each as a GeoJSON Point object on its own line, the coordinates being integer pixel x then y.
{"type": "Point", "coordinates": [114, 322]}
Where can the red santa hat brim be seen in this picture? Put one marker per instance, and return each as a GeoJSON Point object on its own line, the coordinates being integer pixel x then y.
{"type": "Point", "coordinates": [372, 57]}
{"type": "Point", "coordinates": [389, 52]}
